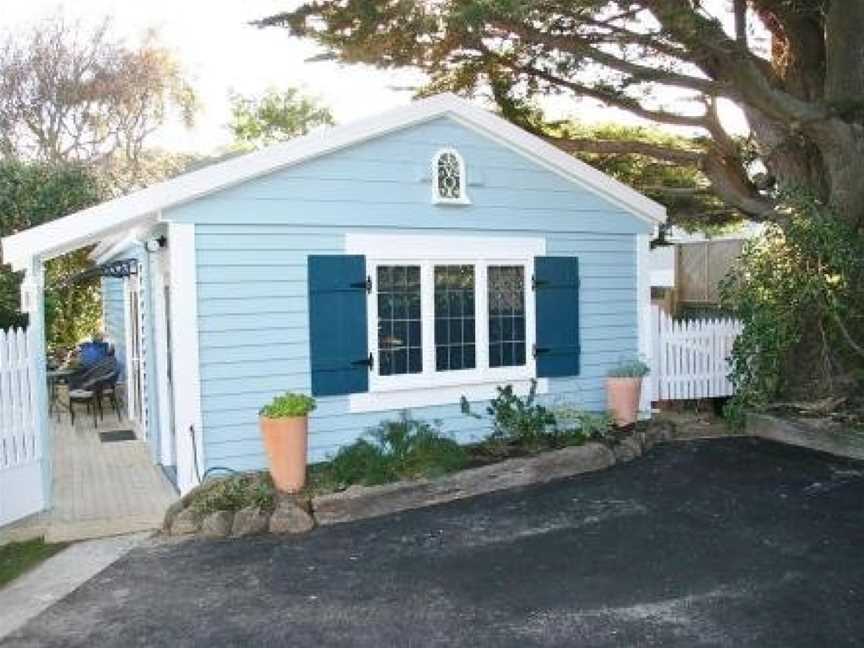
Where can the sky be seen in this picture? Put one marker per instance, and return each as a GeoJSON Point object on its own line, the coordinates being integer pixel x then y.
{"type": "Point", "coordinates": [222, 53]}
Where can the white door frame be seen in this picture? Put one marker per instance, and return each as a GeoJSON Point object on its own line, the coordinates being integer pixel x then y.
{"type": "Point", "coordinates": [161, 283]}
{"type": "Point", "coordinates": [132, 285]}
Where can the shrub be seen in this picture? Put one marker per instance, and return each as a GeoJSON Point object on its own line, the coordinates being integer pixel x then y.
{"type": "Point", "coordinates": [288, 405]}
{"type": "Point", "coordinates": [629, 368]}
{"type": "Point", "coordinates": [516, 419]}
{"type": "Point", "coordinates": [799, 292]}
{"type": "Point", "coordinates": [574, 426]}
{"type": "Point", "coordinates": [393, 450]}
{"type": "Point", "coordinates": [236, 492]}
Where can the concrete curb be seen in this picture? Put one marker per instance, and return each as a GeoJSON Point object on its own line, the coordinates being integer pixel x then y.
{"type": "Point", "coordinates": [799, 433]}
{"type": "Point", "coordinates": [361, 502]}
{"type": "Point", "coordinates": [59, 576]}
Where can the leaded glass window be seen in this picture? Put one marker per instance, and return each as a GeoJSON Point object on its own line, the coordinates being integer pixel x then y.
{"type": "Point", "coordinates": [455, 346]}
{"type": "Point", "coordinates": [448, 173]}
{"type": "Point", "coordinates": [399, 323]}
{"type": "Point", "coordinates": [506, 285]}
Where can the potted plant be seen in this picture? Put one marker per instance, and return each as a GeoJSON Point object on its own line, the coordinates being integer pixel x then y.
{"type": "Point", "coordinates": [285, 427]}
{"type": "Point", "coordinates": [623, 390]}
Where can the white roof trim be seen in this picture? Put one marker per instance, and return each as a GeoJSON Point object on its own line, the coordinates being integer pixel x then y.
{"type": "Point", "coordinates": [92, 225]}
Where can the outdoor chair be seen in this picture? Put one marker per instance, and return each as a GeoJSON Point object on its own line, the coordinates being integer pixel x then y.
{"type": "Point", "coordinates": [92, 385]}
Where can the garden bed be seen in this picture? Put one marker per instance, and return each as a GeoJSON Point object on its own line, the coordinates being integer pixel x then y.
{"type": "Point", "coordinates": [247, 504]}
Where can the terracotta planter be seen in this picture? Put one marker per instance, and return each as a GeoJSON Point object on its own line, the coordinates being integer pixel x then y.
{"type": "Point", "coordinates": [622, 397]}
{"type": "Point", "coordinates": [285, 440]}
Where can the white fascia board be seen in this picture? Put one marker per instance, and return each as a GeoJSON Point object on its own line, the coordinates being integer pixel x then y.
{"type": "Point", "coordinates": [91, 225]}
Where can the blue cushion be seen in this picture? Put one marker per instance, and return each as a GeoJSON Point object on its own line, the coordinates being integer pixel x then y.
{"type": "Point", "coordinates": [90, 353]}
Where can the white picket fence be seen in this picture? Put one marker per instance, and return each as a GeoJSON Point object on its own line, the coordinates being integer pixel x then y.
{"type": "Point", "coordinates": [691, 357]}
{"type": "Point", "coordinates": [21, 488]}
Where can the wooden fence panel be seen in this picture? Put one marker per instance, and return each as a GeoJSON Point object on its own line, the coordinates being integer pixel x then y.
{"type": "Point", "coordinates": [21, 487]}
{"type": "Point", "coordinates": [691, 357]}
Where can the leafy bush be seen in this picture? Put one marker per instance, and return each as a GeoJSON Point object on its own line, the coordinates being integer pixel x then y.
{"type": "Point", "coordinates": [516, 419]}
{"type": "Point", "coordinates": [799, 292]}
{"type": "Point", "coordinates": [629, 368]}
{"type": "Point", "coordinates": [288, 405]}
{"type": "Point", "coordinates": [573, 424]}
{"type": "Point", "coordinates": [236, 492]}
{"type": "Point", "coordinates": [400, 449]}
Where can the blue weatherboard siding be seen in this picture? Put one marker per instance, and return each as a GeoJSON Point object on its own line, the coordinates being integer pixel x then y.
{"type": "Point", "coordinates": [253, 242]}
{"type": "Point", "coordinates": [113, 318]}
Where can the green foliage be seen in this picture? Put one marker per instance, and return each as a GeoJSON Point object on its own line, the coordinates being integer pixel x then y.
{"type": "Point", "coordinates": [400, 449]}
{"type": "Point", "coordinates": [275, 117]}
{"type": "Point", "coordinates": [573, 425]}
{"type": "Point", "coordinates": [682, 188]}
{"type": "Point", "coordinates": [236, 492]}
{"type": "Point", "coordinates": [516, 419]}
{"type": "Point", "coordinates": [17, 557]}
{"type": "Point", "coordinates": [32, 194]}
{"type": "Point", "coordinates": [799, 291]}
{"type": "Point", "coordinates": [288, 405]}
{"type": "Point", "coordinates": [629, 368]}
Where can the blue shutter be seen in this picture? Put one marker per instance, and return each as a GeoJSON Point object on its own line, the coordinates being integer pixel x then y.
{"type": "Point", "coordinates": [337, 324]}
{"type": "Point", "coordinates": [556, 287]}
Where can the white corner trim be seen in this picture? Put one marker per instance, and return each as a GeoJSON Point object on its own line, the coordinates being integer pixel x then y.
{"type": "Point", "coordinates": [402, 246]}
{"type": "Point", "coordinates": [93, 224]}
{"type": "Point", "coordinates": [409, 398]}
{"type": "Point", "coordinates": [185, 353]}
{"type": "Point", "coordinates": [437, 198]}
{"type": "Point", "coordinates": [643, 315]}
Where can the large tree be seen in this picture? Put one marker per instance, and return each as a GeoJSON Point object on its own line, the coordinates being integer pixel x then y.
{"type": "Point", "coordinates": [802, 93]}
{"type": "Point", "coordinates": [74, 94]}
{"type": "Point", "coordinates": [275, 116]}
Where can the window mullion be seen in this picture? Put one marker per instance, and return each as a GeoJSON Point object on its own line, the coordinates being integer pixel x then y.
{"type": "Point", "coordinates": [427, 315]}
{"type": "Point", "coordinates": [481, 316]}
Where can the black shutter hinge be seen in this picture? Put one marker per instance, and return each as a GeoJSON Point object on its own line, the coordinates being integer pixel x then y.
{"type": "Point", "coordinates": [365, 285]}
{"type": "Point", "coordinates": [535, 350]}
{"type": "Point", "coordinates": [536, 283]}
{"type": "Point", "coordinates": [367, 362]}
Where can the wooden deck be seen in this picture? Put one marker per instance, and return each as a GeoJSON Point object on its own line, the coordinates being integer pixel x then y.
{"type": "Point", "coordinates": [100, 489]}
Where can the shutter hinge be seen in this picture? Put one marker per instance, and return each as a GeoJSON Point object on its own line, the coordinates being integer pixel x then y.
{"type": "Point", "coordinates": [368, 362]}
{"type": "Point", "coordinates": [536, 283]}
{"type": "Point", "coordinates": [365, 285]}
{"type": "Point", "coordinates": [535, 350]}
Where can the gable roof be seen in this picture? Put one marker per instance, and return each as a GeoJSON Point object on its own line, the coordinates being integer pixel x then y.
{"type": "Point", "coordinates": [107, 219]}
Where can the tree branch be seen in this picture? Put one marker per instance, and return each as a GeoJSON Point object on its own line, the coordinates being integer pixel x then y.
{"type": "Point", "coordinates": [627, 147]}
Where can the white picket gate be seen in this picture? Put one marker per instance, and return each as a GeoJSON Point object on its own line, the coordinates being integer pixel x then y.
{"type": "Point", "coordinates": [21, 477]}
{"type": "Point", "coordinates": [691, 357]}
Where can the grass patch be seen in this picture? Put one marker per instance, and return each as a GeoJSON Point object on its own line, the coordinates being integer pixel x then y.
{"type": "Point", "coordinates": [18, 557]}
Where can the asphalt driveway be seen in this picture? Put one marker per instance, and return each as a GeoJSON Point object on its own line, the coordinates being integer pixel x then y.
{"type": "Point", "coordinates": [735, 542]}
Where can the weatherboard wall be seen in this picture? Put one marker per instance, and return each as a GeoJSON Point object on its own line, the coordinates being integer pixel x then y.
{"type": "Point", "coordinates": [252, 244]}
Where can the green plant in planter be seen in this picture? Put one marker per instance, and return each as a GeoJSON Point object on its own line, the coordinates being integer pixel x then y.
{"type": "Point", "coordinates": [629, 368]}
{"type": "Point", "coordinates": [516, 419]}
{"type": "Point", "coordinates": [288, 405]}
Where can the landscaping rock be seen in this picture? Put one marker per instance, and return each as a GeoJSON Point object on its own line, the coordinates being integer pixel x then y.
{"type": "Point", "coordinates": [173, 511]}
{"type": "Point", "coordinates": [290, 517]}
{"type": "Point", "coordinates": [249, 521]}
{"type": "Point", "coordinates": [364, 502]}
{"type": "Point", "coordinates": [218, 524]}
{"type": "Point", "coordinates": [186, 521]}
{"type": "Point", "coordinates": [628, 449]}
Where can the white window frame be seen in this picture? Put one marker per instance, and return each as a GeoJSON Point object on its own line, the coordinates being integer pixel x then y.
{"type": "Point", "coordinates": [437, 198]}
{"type": "Point", "coordinates": [432, 387]}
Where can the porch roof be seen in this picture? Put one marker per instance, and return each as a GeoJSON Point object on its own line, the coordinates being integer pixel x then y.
{"type": "Point", "coordinates": [110, 222]}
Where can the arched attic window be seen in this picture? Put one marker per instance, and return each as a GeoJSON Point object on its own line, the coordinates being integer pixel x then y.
{"type": "Point", "coordinates": [448, 178]}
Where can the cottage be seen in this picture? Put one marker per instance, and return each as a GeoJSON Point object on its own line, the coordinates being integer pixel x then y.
{"type": "Point", "coordinates": [395, 263]}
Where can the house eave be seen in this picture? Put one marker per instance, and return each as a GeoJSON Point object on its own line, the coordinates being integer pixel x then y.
{"type": "Point", "coordinates": [101, 221]}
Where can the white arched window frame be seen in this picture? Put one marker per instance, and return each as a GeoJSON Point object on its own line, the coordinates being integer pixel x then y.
{"type": "Point", "coordinates": [449, 181]}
